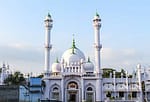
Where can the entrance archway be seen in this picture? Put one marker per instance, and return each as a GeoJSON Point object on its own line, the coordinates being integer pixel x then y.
{"type": "Point", "coordinates": [73, 92]}
{"type": "Point", "coordinates": [72, 96]}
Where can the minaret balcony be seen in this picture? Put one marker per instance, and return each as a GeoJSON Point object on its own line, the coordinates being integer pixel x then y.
{"type": "Point", "coordinates": [98, 46]}
{"type": "Point", "coordinates": [49, 46]}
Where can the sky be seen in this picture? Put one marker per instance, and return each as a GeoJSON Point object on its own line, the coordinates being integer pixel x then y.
{"type": "Point", "coordinates": [125, 32]}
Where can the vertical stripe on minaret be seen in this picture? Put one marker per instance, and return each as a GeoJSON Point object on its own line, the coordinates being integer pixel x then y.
{"type": "Point", "coordinates": [97, 45]}
{"type": "Point", "coordinates": [48, 26]}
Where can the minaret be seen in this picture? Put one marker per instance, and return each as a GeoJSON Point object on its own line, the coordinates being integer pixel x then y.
{"type": "Point", "coordinates": [48, 26]}
{"type": "Point", "coordinates": [139, 81]}
{"type": "Point", "coordinates": [97, 47]}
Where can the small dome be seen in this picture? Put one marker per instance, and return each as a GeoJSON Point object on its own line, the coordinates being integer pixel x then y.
{"type": "Point", "coordinates": [56, 67]}
{"type": "Point", "coordinates": [89, 67]}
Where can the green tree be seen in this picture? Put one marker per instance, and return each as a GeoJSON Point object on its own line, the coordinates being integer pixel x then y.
{"type": "Point", "coordinates": [123, 72]}
{"type": "Point", "coordinates": [108, 94]}
{"type": "Point", "coordinates": [40, 76]}
{"type": "Point", "coordinates": [106, 72]}
{"type": "Point", "coordinates": [15, 79]}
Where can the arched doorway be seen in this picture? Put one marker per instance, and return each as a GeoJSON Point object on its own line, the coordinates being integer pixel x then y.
{"type": "Point", "coordinates": [55, 93]}
{"type": "Point", "coordinates": [73, 92]}
{"type": "Point", "coordinates": [89, 94]}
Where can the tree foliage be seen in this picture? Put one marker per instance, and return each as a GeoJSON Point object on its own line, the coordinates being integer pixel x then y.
{"type": "Point", "coordinates": [40, 76]}
{"type": "Point", "coordinates": [108, 94]}
{"type": "Point", "coordinates": [15, 79]}
{"type": "Point", "coordinates": [107, 71]}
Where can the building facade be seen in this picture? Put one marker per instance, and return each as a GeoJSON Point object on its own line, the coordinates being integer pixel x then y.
{"type": "Point", "coordinates": [30, 92]}
{"type": "Point", "coordinates": [73, 78]}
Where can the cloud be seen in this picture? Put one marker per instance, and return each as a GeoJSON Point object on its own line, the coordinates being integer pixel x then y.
{"type": "Point", "coordinates": [117, 54]}
{"type": "Point", "coordinates": [120, 58]}
{"type": "Point", "coordinates": [26, 58]}
{"type": "Point", "coordinates": [123, 58]}
{"type": "Point", "coordinates": [22, 57]}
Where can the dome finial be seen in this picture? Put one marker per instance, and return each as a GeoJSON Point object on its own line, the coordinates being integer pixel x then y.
{"type": "Point", "coordinates": [97, 14]}
{"type": "Point", "coordinates": [73, 45]}
{"type": "Point", "coordinates": [57, 60]}
{"type": "Point", "coordinates": [49, 14]}
{"type": "Point", "coordinates": [89, 59]}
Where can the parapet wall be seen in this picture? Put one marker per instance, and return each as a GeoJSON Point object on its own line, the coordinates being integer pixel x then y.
{"type": "Point", "coordinates": [9, 93]}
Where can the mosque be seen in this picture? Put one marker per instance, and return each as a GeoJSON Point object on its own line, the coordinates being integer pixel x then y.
{"type": "Point", "coordinates": [73, 78]}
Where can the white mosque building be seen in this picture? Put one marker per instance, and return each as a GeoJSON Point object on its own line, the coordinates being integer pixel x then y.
{"type": "Point", "coordinates": [4, 73]}
{"type": "Point", "coordinates": [73, 78]}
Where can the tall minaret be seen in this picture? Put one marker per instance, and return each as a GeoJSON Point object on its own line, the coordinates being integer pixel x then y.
{"type": "Point", "coordinates": [48, 26]}
{"type": "Point", "coordinates": [139, 81]}
{"type": "Point", "coordinates": [98, 46]}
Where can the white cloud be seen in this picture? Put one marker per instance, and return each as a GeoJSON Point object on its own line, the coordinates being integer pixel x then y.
{"type": "Point", "coordinates": [122, 58]}
{"type": "Point", "coordinates": [26, 58]}
{"type": "Point", "coordinates": [117, 54]}
{"type": "Point", "coordinates": [22, 57]}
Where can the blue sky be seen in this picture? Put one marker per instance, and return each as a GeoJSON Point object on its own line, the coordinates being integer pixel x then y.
{"type": "Point", "coordinates": [125, 31]}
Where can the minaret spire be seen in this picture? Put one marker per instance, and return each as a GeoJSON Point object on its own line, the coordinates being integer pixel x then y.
{"type": "Point", "coordinates": [48, 26]}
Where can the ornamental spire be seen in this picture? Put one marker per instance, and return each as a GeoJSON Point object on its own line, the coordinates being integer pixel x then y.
{"type": "Point", "coordinates": [57, 60]}
{"type": "Point", "coordinates": [97, 14]}
{"type": "Point", "coordinates": [89, 59]}
{"type": "Point", "coordinates": [73, 45]}
{"type": "Point", "coordinates": [49, 14]}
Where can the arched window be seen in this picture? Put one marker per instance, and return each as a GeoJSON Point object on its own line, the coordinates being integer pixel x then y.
{"type": "Point", "coordinates": [89, 89]}
{"type": "Point", "coordinates": [72, 85]}
{"type": "Point", "coordinates": [55, 92]}
{"type": "Point", "coordinates": [77, 69]}
{"type": "Point", "coordinates": [67, 69]}
{"type": "Point", "coordinates": [89, 95]}
{"type": "Point", "coordinates": [55, 89]}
